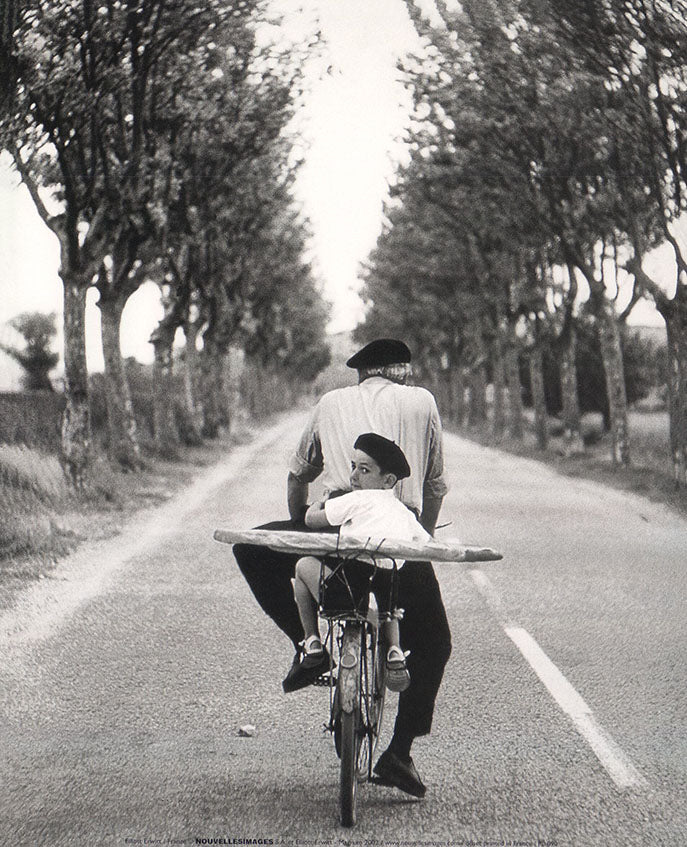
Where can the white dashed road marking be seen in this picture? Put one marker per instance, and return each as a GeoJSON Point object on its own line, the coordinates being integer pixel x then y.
{"type": "Point", "coordinates": [614, 760]}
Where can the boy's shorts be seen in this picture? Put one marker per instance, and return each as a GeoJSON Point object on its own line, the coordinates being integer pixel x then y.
{"type": "Point", "coordinates": [348, 587]}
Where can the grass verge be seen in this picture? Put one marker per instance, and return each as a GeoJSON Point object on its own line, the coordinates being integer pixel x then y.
{"type": "Point", "coordinates": [648, 475]}
{"type": "Point", "coordinates": [42, 519]}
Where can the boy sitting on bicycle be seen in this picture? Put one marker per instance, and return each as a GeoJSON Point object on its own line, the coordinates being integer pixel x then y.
{"type": "Point", "coordinates": [370, 509]}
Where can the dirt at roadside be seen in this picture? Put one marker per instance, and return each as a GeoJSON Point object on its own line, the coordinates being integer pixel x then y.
{"type": "Point", "coordinates": [106, 516]}
{"type": "Point", "coordinates": [649, 474]}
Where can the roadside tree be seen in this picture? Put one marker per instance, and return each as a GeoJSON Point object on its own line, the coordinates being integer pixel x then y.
{"type": "Point", "coordinates": [101, 94]}
{"type": "Point", "coordinates": [36, 358]}
{"type": "Point", "coordinates": [640, 49]}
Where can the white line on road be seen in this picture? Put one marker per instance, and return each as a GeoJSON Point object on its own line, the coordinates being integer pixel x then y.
{"type": "Point", "coordinates": [614, 760]}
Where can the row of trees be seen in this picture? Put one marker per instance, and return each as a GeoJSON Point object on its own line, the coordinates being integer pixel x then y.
{"type": "Point", "coordinates": [548, 157]}
{"type": "Point", "coordinates": [153, 138]}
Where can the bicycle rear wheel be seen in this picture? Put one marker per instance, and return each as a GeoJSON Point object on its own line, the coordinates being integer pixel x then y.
{"type": "Point", "coordinates": [350, 750]}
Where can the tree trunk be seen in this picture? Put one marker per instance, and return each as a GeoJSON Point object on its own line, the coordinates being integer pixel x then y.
{"type": "Point", "coordinates": [477, 412]}
{"type": "Point", "coordinates": [211, 409]}
{"type": "Point", "coordinates": [76, 449]}
{"type": "Point", "coordinates": [676, 327]}
{"type": "Point", "coordinates": [498, 420]}
{"type": "Point", "coordinates": [572, 427]}
{"type": "Point", "coordinates": [164, 422]}
{"type": "Point", "coordinates": [611, 354]}
{"type": "Point", "coordinates": [674, 312]}
{"type": "Point", "coordinates": [216, 411]}
{"type": "Point", "coordinates": [538, 397]}
{"type": "Point", "coordinates": [445, 396]}
{"type": "Point", "coordinates": [223, 382]}
{"type": "Point", "coordinates": [194, 424]}
{"type": "Point", "coordinates": [515, 409]}
{"type": "Point", "coordinates": [123, 444]}
{"type": "Point", "coordinates": [457, 394]}
{"type": "Point", "coordinates": [430, 379]}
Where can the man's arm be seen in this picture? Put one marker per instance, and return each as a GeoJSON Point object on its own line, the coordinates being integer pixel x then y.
{"type": "Point", "coordinates": [296, 496]}
{"type": "Point", "coordinates": [434, 487]}
{"type": "Point", "coordinates": [306, 465]}
{"type": "Point", "coordinates": [431, 506]}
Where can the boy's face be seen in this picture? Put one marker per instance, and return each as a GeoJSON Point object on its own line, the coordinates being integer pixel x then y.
{"type": "Point", "coordinates": [366, 473]}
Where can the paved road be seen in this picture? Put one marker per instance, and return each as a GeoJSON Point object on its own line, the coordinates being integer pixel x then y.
{"type": "Point", "coordinates": [124, 682]}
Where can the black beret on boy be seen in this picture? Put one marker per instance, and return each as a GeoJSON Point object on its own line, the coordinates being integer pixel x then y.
{"type": "Point", "coordinates": [382, 351]}
{"type": "Point", "coordinates": [387, 454]}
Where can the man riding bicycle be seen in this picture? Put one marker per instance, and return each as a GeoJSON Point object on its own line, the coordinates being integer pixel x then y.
{"type": "Point", "coordinates": [381, 402]}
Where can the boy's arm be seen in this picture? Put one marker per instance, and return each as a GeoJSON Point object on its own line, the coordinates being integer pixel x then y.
{"type": "Point", "coordinates": [316, 517]}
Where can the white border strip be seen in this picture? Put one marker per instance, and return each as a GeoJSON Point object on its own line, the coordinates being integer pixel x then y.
{"type": "Point", "coordinates": [614, 760]}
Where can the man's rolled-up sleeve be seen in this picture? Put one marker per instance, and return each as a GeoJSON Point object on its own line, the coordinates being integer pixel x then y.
{"type": "Point", "coordinates": [435, 485]}
{"type": "Point", "coordinates": [307, 462]}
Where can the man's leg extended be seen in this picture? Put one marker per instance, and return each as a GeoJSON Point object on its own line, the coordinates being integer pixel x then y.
{"type": "Point", "coordinates": [425, 632]}
{"type": "Point", "coordinates": [269, 574]}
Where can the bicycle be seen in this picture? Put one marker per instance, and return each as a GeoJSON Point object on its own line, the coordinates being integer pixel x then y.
{"type": "Point", "coordinates": [357, 691]}
{"type": "Point", "coordinates": [356, 696]}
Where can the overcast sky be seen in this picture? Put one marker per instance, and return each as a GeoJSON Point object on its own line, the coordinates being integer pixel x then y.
{"type": "Point", "coordinates": [353, 120]}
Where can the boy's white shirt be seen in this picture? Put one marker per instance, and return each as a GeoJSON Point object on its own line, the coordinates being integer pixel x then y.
{"type": "Point", "coordinates": [374, 513]}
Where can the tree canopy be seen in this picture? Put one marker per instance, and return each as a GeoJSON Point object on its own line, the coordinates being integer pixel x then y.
{"type": "Point", "coordinates": [153, 136]}
{"type": "Point", "coordinates": [545, 163]}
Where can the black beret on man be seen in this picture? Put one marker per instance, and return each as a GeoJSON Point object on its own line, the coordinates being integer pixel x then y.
{"type": "Point", "coordinates": [380, 352]}
{"type": "Point", "coordinates": [387, 454]}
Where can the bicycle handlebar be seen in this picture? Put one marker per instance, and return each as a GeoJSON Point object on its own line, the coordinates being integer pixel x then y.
{"type": "Point", "coordinates": [331, 544]}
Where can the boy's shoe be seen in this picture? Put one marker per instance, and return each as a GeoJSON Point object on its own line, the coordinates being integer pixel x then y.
{"type": "Point", "coordinates": [397, 676]}
{"type": "Point", "coordinates": [307, 671]}
{"type": "Point", "coordinates": [396, 773]}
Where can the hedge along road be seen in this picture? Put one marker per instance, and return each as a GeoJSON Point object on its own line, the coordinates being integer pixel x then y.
{"type": "Point", "coordinates": [126, 679]}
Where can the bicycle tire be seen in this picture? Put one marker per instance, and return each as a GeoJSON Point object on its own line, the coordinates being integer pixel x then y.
{"type": "Point", "coordinates": [360, 701]}
{"type": "Point", "coordinates": [379, 687]}
{"type": "Point", "coordinates": [372, 693]}
{"type": "Point", "coordinates": [348, 782]}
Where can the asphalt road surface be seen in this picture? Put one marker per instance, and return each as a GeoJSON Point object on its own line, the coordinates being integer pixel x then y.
{"type": "Point", "coordinates": [125, 680]}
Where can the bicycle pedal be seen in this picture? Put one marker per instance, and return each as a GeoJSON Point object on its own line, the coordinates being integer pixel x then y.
{"type": "Point", "coordinates": [324, 681]}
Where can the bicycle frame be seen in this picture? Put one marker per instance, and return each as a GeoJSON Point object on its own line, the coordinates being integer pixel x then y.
{"type": "Point", "coordinates": [356, 695]}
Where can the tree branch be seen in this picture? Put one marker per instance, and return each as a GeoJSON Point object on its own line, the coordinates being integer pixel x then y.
{"type": "Point", "coordinates": [634, 267]}
{"type": "Point", "coordinates": [51, 221]}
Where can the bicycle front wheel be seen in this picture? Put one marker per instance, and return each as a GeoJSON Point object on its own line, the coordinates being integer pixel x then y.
{"type": "Point", "coordinates": [350, 750]}
{"type": "Point", "coordinates": [372, 691]}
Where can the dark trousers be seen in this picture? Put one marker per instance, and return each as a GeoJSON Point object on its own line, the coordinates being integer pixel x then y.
{"type": "Point", "coordinates": [424, 628]}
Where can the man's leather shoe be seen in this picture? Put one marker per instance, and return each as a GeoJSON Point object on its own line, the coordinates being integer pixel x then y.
{"type": "Point", "coordinates": [396, 773]}
{"type": "Point", "coordinates": [296, 662]}
{"type": "Point", "coordinates": [306, 672]}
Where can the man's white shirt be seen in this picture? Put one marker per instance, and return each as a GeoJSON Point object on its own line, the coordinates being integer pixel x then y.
{"type": "Point", "coordinates": [406, 414]}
